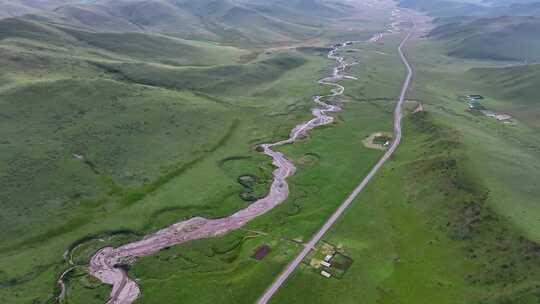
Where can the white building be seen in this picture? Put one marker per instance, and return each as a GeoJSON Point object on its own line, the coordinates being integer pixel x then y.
{"type": "Point", "coordinates": [503, 117]}
{"type": "Point", "coordinates": [325, 274]}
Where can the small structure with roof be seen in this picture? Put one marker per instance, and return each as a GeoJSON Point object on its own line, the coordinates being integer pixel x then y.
{"type": "Point", "coordinates": [474, 97]}
{"type": "Point", "coordinates": [328, 258]}
{"type": "Point", "coordinates": [502, 117]}
{"type": "Point", "coordinates": [325, 274]}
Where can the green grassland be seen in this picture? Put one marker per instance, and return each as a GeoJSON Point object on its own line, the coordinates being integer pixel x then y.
{"type": "Point", "coordinates": [513, 150]}
{"type": "Point", "coordinates": [452, 217]}
{"type": "Point", "coordinates": [226, 272]}
{"type": "Point", "coordinates": [513, 89]}
{"type": "Point", "coordinates": [476, 30]}
{"type": "Point", "coordinates": [106, 138]}
{"type": "Point", "coordinates": [124, 46]}
{"type": "Point", "coordinates": [156, 48]}
{"type": "Point", "coordinates": [225, 80]}
{"type": "Point", "coordinates": [222, 270]}
{"type": "Point", "coordinates": [229, 21]}
{"type": "Point", "coordinates": [135, 140]}
{"type": "Point", "coordinates": [424, 233]}
{"type": "Point", "coordinates": [464, 10]}
{"type": "Point", "coordinates": [498, 38]}
{"type": "Point", "coordinates": [230, 274]}
{"type": "Point", "coordinates": [166, 136]}
{"type": "Point", "coordinates": [444, 8]}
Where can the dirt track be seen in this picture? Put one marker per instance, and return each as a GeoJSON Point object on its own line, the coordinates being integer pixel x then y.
{"type": "Point", "coordinates": [103, 264]}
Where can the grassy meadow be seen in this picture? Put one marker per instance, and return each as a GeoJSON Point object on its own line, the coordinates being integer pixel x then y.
{"type": "Point", "coordinates": [424, 232]}
{"type": "Point", "coordinates": [503, 156]}
{"type": "Point", "coordinates": [106, 137]}
{"type": "Point", "coordinates": [222, 269]}
{"type": "Point", "coordinates": [230, 274]}
{"type": "Point", "coordinates": [451, 218]}
{"type": "Point", "coordinates": [135, 140]}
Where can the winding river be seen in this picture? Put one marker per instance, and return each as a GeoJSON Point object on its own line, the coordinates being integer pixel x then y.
{"type": "Point", "coordinates": [103, 264]}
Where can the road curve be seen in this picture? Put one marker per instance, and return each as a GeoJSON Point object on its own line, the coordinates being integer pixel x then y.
{"type": "Point", "coordinates": [105, 265]}
{"type": "Point", "coordinates": [337, 214]}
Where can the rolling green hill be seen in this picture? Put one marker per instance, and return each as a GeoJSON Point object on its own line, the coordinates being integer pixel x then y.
{"type": "Point", "coordinates": [12, 8]}
{"type": "Point", "coordinates": [135, 46]}
{"type": "Point", "coordinates": [87, 93]}
{"type": "Point", "coordinates": [121, 117]}
{"type": "Point", "coordinates": [13, 28]}
{"type": "Point", "coordinates": [231, 21]}
{"type": "Point", "coordinates": [516, 87]}
{"type": "Point", "coordinates": [499, 38]}
{"type": "Point", "coordinates": [153, 47]}
{"type": "Point", "coordinates": [457, 8]}
{"type": "Point", "coordinates": [116, 116]}
{"type": "Point", "coordinates": [240, 79]}
{"type": "Point", "coordinates": [520, 83]}
{"type": "Point", "coordinates": [444, 8]}
{"type": "Point", "coordinates": [498, 31]}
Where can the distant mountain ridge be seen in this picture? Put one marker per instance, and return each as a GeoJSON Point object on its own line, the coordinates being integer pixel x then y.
{"type": "Point", "coordinates": [213, 20]}
{"type": "Point", "coordinates": [488, 8]}
{"type": "Point", "coordinates": [499, 38]}
{"type": "Point", "coordinates": [499, 30]}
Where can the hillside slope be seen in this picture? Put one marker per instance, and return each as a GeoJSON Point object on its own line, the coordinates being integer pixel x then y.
{"type": "Point", "coordinates": [499, 38]}
{"type": "Point", "coordinates": [231, 21]}
{"type": "Point", "coordinates": [516, 87]}
{"type": "Point", "coordinates": [15, 32]}
{"type": "Point", "coordinates": [112, 117]}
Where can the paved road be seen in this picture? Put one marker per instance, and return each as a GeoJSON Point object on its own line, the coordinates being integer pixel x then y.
{"type": "Point", "coordinates": [337, 214]}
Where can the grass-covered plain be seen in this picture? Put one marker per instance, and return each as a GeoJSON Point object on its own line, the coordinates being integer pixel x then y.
{"type": "Point", "coordinates": [236, 22]}
{"type": "Point", "coordinates": [452, 217]}
{"type": "Point", "coordinates": [106, 138]}
{"type": "Point", "coordinates": [497, 38]}
{"type": "Point", "coordinates": [512, 89]}
{"type": "Point", "coordinates": [425, 232]}
{"type": "Point", "coordinates": [222, 270]}
{"type": "Point", "coordinates": [135, 140]}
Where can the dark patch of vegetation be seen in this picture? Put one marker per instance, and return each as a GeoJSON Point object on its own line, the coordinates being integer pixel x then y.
{"type": "Point", "coordinates": [320, 51]}
{"type": "Point", "coordinates": [225, 80]}
{"type": "Point", "coordinates": [145, 46]}
{"type": "Point", "coordinates": [381, 140]}
{"type": "Point", "coordinates": [252, 187]}
{"type": "Point", "coordinates": [105, 234]}
{"type": "Point", "coordinates": [51, 233]}
{"type": "Point", "coordinates": [6, 282]}
{"type": "Point", "coordinates": [123, 266]}
{"type": "Point", "coordinates": [233, 158]}
{"type": "Point", "coordinates": [175, 214]}
{"type": "Point", "coordinates": [308, 159]}
{"type": "Point", "coordinates": [340, 265]}
{"type": "Point", "coordinates": [18, 28]}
